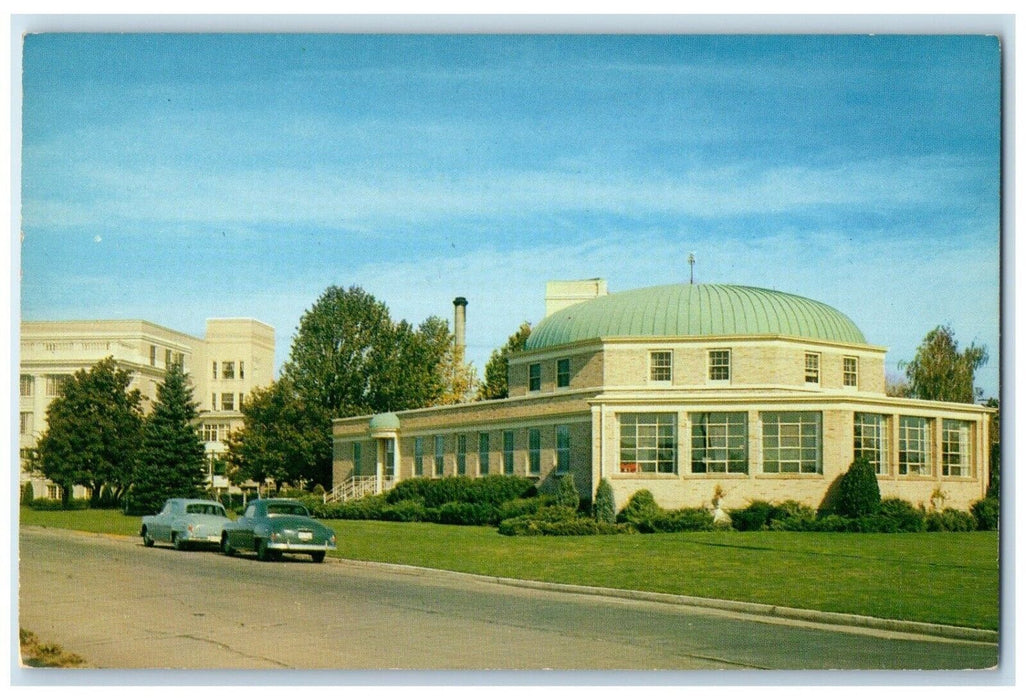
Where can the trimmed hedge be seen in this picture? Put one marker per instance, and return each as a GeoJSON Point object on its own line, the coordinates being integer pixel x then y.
{"type": "Point", "coordinates": [493, 489]}
{"type": "Point", "coordinates": [557, 521]}
{"type": "Point", "coordinates": [57, 504]}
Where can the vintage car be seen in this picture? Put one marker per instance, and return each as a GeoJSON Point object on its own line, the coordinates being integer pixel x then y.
{"type": "Point", "coordinates": [185, 522]}
{"type": "Point", "coordinates": [274, 526]}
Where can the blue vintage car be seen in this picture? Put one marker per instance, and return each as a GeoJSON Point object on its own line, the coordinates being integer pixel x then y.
{"type": "Point", "coordinates": [185, 522]}
{"type": "Point", "coordinates": [274, 526]}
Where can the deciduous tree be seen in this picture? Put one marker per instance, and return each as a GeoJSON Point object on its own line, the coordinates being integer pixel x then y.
{"type": "Point", "coordinates": [93, 432]}
{"type": "Point", "coordinates": [496, 379]}
{"type": "Point", "coordinates": [940, 372]}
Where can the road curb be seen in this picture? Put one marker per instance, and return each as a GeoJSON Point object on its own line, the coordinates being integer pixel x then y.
{"type": "Point", "coordinates": [951, 632]}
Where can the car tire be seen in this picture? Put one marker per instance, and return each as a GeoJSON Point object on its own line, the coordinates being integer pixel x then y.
{"type": "Point", "coordinates": [225, 547]}
{"type": "Point", "coordinates": [263, 553]}
{"type": "Point", "coordinates": [318, 557]}
{"type": "Point", "coordinates": [147, 540]}
{"type": "Point", "coordinates": [176, 541]}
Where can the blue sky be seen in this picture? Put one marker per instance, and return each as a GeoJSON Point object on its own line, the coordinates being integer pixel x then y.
{"type": "Point", "coordinates": [176, 177]}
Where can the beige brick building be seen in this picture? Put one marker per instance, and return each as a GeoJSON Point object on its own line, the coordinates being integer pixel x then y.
{"type": "Point", "coordinates": [235, 356]}
{"type": "Point", "coordinates": [685, 390]}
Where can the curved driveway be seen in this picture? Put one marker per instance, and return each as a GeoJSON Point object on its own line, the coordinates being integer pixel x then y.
{"type": "Point", "coordinates": [120, 605]}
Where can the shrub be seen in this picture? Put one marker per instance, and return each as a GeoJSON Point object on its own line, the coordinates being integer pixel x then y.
{"type": "Point", "coordinates": [640, 510]}
{"type": "Point", "coordinates": [556, 520]}
{"type": "Point", "coordinates": [950, 520]}
{"type": "Point", "coordinates": [57, 504]}
{"type": "Point", "coordinates": [494, 489]}
{"type": "Point", "coordinates": [367, 508]}
{"type": "Point", "coordinates": [791, 515]}
{"type": "Point", "coordinates": [987, 512]}
{"type": "Point", "coordinates": [566, 493]}
{"type": "Point", "coordinates": [906, 517]}
{"type": "Point", "coordinates": [468, 514]}
{"type": "Point", "coordinates": [833, 523]}
{"type": "Point", "coordinates": [681, 520]}
{"type": "Point", "coordinates": [754, 516]}
{"type": "Point", "coordinates": [27, 494]}
{"type": "Point", "coordinates": [859, 492]}
{"type": "Point", "coordinates": [523, 506]}
{"type": "Point", "coordinates": [409, 511]}
{"type": "Point", "coordinates": [604, 507]}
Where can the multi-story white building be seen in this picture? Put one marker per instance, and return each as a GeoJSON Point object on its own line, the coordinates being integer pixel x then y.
{"type": "Point", "coordinates": [235, 356]}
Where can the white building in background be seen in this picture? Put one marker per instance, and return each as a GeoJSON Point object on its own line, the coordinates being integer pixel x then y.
{"type": "Point", "coordinates": [234, 357]}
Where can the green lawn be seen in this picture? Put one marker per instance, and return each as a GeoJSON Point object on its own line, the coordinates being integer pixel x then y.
{"type": "Point", "coordinates": [949, 578]}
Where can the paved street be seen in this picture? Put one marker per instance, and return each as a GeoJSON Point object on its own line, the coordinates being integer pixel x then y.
{"type": "Point", "coordinates": [120, 605]}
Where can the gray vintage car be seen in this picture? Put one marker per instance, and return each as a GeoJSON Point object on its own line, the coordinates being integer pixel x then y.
{"type": "Point", "coordinates": [185, 522]}
{"type": "Point", "coordinates": [274, 526]}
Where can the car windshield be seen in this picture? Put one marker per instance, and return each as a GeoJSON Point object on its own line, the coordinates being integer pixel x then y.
{"type": "Point", "coordinates": [285, 509]}
{"type": "Point", "coordinates": [204, 509]}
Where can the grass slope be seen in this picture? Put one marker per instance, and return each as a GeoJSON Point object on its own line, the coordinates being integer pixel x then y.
{"type": "Point", "coordinates": [942, 577]}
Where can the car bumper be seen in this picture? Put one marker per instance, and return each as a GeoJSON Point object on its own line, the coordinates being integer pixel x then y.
{"type": "Point", "coordinates": [300, 546]}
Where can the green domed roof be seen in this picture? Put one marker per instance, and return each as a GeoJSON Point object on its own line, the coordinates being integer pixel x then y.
{"type": "Point", "coordinates": [694, 310]}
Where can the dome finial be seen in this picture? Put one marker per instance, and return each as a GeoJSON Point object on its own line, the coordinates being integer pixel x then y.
{"type": "Point", "coordinates": [691, 262]}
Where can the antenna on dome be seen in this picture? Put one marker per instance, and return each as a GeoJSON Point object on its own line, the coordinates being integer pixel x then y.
{"type": "Point", "coordinates": [691, 262]}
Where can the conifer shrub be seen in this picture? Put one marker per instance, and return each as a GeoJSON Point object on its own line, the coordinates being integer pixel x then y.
{"type": "Point", "coordinates": [27, 494]}
{"type": "Point", "coordinates": [754, 516]}
{"type": "Point", "coordinates": [603, 508]}
{"type": "Point", "coordinates": [832, 522]}
{"type": "Point", "coordinates": [523, 506]}
{"type": "Point", "coordinates": [680, 520]}
{"type": "Point", "coordinates": [987, 512]}
{"type": "Point", "coordinates": [556, 521]}
{"type": "Point", "coordinates": [859, 492]}
{"type": "Point", "coordinates": [792, 516]}
{"type": "Point", "coordinates": [905, 516]}
{"type": "Point", "coordinates": [566, 493]}
{"type": "Point", "coordinates": [950, 520]}
{"type": "Point", "coordinates": [640, 511]}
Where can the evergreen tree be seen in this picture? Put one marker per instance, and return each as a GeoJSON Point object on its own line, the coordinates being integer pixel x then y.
{"type": "Point", "coordinates": [496, 380]}
{"type": "Point", "coordinates": [859, 492]}
{"type": "Point", "coordinates": [171, 460]}
{"type": "Point", "coordinates": [93, 432]}
{"type": "Point", "coordinates": [566, 493]}
{"type": "Point", "coordinates": [604, 507]}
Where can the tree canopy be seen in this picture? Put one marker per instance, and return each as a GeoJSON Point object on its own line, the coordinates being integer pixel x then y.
{"type": "Point", "coordinates": [496, 379]}
{"type": "Point", "coordinates": [171, 459]}
{"type": "Point", "coordinates": [940, 372]}
{"type": "Point", "coordinates": [94, 428]}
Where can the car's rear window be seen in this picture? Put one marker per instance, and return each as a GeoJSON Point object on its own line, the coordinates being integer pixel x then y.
{"type": "Point", "coordinates": [204, 509]}
{"type": "Point", "coordinates": [285, 509]}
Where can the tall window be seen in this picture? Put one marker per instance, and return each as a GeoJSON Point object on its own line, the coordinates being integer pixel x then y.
{"type": "Point", "coordinates": [27, 385]}
{"type": "Point", "coordinates": [153, 356]}
{"type": "Point", "coordinates": [534, 451]}
{"type": "Point", "coordinates": [812, 368]}
{"type": "Point", "coordinates": [914, 437]}
{"type": "Point", "coordinates": [563, 372]}
{"type": "Point", "coordinates": [418, 456]}
{"type": "Point", "coordinates": [871, 440]}
{"type": "Point", "coordinates": [439, 455]}
{"type": "Point", "coordinates": [719, 365]}
{"type": "Point", "coordinates": [167, 358]}
{"type": "Point", "coordinates": [227, 402]}
{"type": "Point", "coordinates": [508, 466]}
{"type": "Point", "coordinates": [792, 442]}
{"type": "Point", "coordinates": [719, 443]}
{"type": "Point", "coordinates": [648, 442]}
{"type": "Point", "coordinates": [213, 402]}
{"type": "Point", "coordinates": [534, 377]}
{"type": "Point", "coordinates": [660, 365]}
{"type": "Point", "coordinates": [242, 369]}
{"type": "Point", "coordinates": [482, 453]}
{"type": "Point", "coordinates": [461, 454]}
{"type": "Point", "coordinates": [54, 384]}
{"type": "Point", "coordinates": [228, 370]}
{"type": "Point", "coordinates": [357, 458]}
{"type": "Point", "coordinates": [956, 455]}
{"type": "Point", "coordinates": [389, 457]}
{"type": "Point", "coordinates": [851, 371]}
{"type": "Point", "coordinates": [213, 369]}
{"type": "Point", "coordinates": [562, 449]}
{"type": "Point", "coordinates": [26, 422]}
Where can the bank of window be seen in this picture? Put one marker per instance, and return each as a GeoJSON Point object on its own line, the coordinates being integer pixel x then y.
{"type": "Point", "coordinates": [227, 402]}
{"type": "Point", "coordinates": [719, 443]}
{"type": "Point", "coordinates": [914, 437]}
{"type": "Point", "coordinates": [482, 453]}
{"type": "Point", "coordinates": [507, 452]}
{"type": "Point", "coordinates": [53, 491]}
{"type": "Point", "coordinates": [461, 454]}
{"type": "Point", "coordinates": [648, 443]}
{"type": "Point", "coordinates": [27, 385]}
{"type": "Point", "coordinates": [534, 377]}
{"type": "Point", "coordinates": [719, 365]}
{"type": "Point", "coordinates": [228, 370]}
{"type": "Point", "coordinates": [871, 440]}
{"type": "Point", "coordinates": [792, 442]}
{"type": "Point", "coordinates": [956, 448]}
{"type": "Point", "coordinates": [562, 449]}
{"type": "Point", "coordinates": [811, 368]}
{"type": "Point", "coordinates": [215, 432]}
{"type": "Point", "coordinates": [418, 456]}
{"type": "Point", "coordinates": [563, 373]}
{"type": "Point", "coordinates": [439, 455]}
{"type": "Point", "coordinates": [357, 458]}
{"type": "Point", "coordinates": [534, 451]}
{"type": "Point", "coordinates": [660, 366]}
{"type": "Point", "coordinates": [55, 383]}
{"type": "Point", "coordinates": [851, 371]}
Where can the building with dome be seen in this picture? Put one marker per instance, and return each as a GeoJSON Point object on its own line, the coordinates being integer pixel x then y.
{"type": "Point", "coordinates": [685, 390]}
